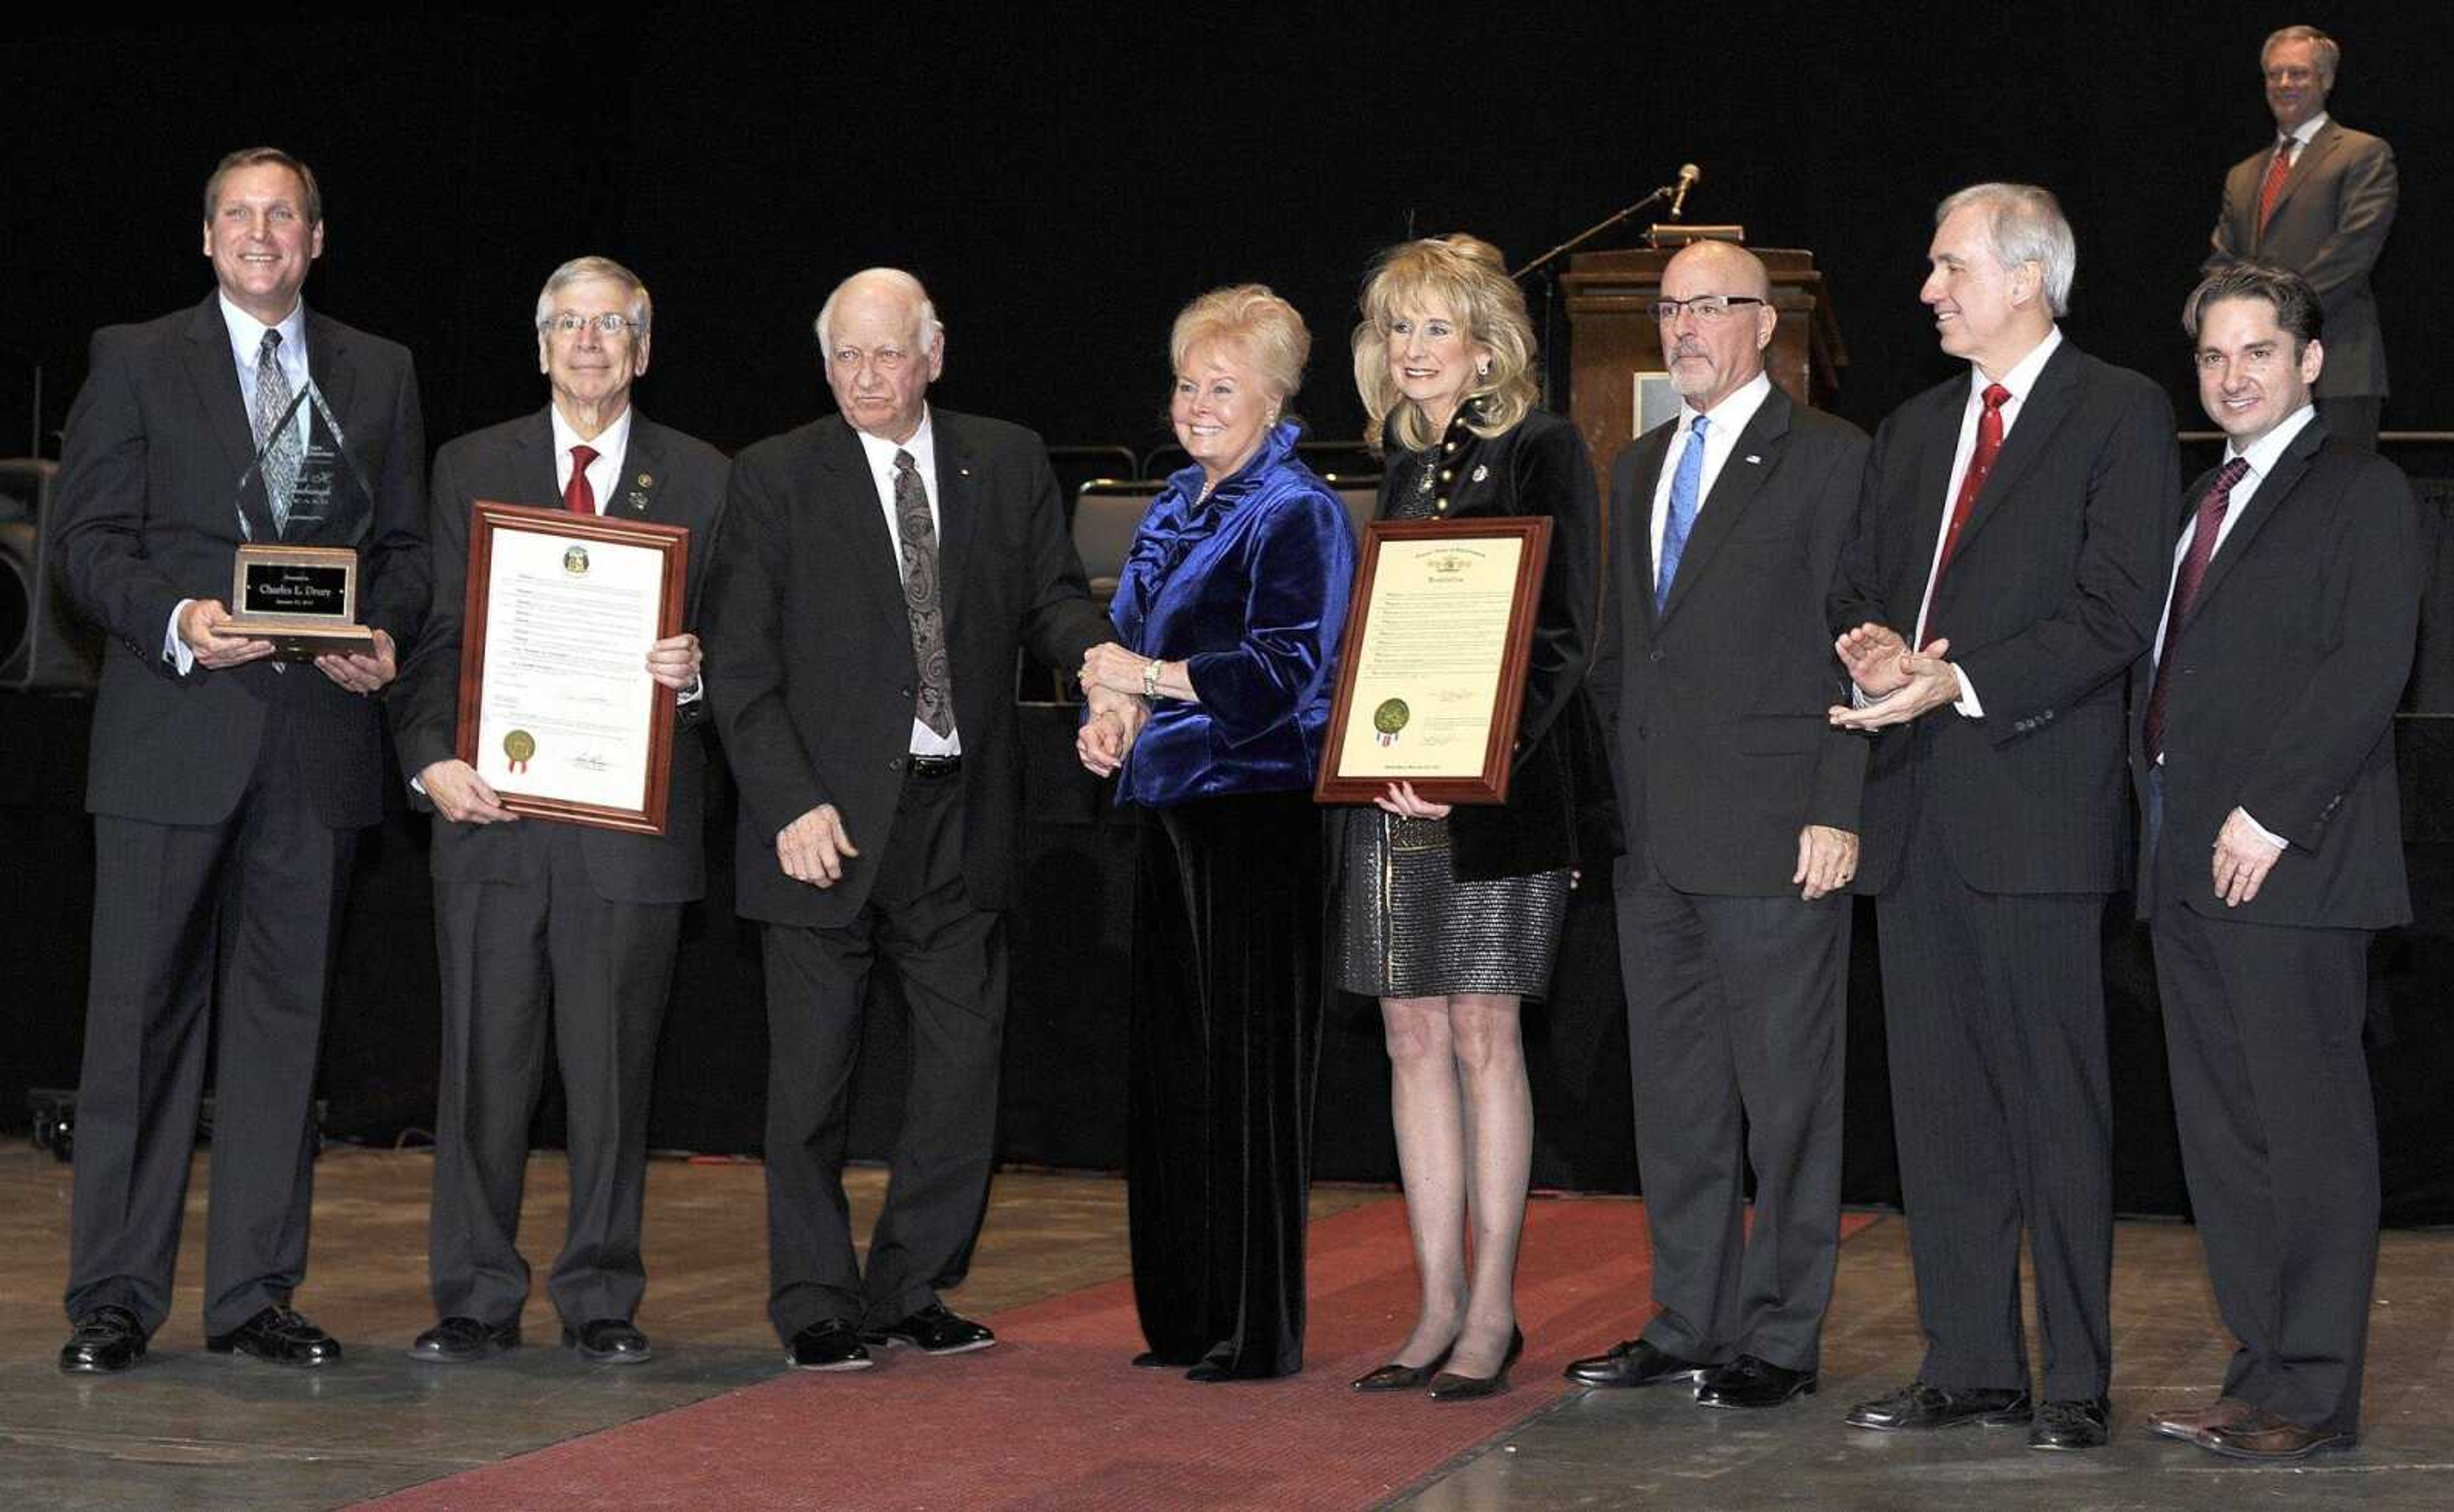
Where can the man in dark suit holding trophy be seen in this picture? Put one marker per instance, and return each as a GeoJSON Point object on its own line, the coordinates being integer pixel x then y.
{"type": "Point", "coordinates": [227, 787]}
{"type": "Point", "coordinates": [537, 921]}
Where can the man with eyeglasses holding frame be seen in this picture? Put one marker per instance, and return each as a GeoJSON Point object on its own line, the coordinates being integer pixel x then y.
{"type": "Point", "coordinates": [1741, 809]}
{"type": "Point", "coordinates": [537, 922]}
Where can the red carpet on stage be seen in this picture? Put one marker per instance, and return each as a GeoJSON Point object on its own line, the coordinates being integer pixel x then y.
{"type": "Point", "coordinates": [1054, 1417]}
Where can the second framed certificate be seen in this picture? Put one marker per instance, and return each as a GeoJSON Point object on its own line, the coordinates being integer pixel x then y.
{"type": "Point", "coordinates": [557, 712]}
{"type": "Point", "coordinates": [1432, 670]}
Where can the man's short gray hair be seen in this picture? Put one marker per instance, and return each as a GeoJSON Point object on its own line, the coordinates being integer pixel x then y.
{"type": "Point", "coordinates": [2027, 227]}
{"type": "Point", "coordinates": [924, 314]}
{"type": "Point", "coordinates": [2329, 53]}
{"type": "Point", "coordinates": [640, 309]}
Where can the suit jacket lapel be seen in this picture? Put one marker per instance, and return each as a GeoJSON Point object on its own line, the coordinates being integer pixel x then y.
{"type": "Point", "coordinates": [533, 464]}
{"type": "Point", "coordinates": [853, 489]}
{"type": "Point", "coordinates": [2261, 505]}
{"type": "Point", "coordinates": [2041, 413]}
{"type": "Point", "coordinates": [1934, 476]}
{"type": "Point", "coordinates": [215, 375]}
{"type": "Point", "coordinates": [640, 474]}
{"type": "Point", "coordinates": [1756, 453]}
{"type": "Point", "coordinates": [957, 516]}
{"type": "Point", "coordinates": [2304, 163]}
{"type": "Point", "coordinates": [329, 366]}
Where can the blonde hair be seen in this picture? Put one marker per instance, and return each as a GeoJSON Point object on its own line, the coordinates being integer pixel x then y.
{"type": "Point", "coordinates": [1261, 327]}
{"type": "Point", "coordinates": [1466, 275]}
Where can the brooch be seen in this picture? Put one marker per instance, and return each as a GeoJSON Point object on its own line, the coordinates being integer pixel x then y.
{"type": "Point", "coordinates": [1482, 473]}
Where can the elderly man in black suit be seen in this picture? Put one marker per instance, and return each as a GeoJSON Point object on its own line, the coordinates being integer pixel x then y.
{"type": "Point", "coordinates": [2013, 532]}
{"type": "Point", "coordinates": [2262, 745]}
{"type": "Point", "coordinates": [882, 566]}
{"type": "Point", "coordinates": [537, 922]}
{"type": "Point", "coordinates": [227, 788]}
{"type": "Point", "coordinates": [2319, 200]}
{"type": "Point", "coordinates": [1740, 808]}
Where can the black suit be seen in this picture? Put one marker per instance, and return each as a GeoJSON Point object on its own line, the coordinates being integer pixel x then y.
{"type": "Point", "coordinates": [810, 673]}
{"type": "Point", "coordinates": [2280, 694]}
{"type": "Point", "coordinates": [225, 804]}
{"type": "Point", "coordinates": [538, 921]}
{"type": "Point", "coordinates": [1991, 844]}
{"type": "Point", "coordinates": [1714, 711]}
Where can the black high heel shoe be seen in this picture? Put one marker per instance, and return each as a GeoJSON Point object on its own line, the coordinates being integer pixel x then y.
{"type": "Point", "coordinates": [1394, 1376]}
{"type": "Point", "coordinates": [1447, 1386]}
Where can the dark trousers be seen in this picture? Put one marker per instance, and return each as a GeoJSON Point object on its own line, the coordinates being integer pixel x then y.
{"type": "Point", "coordinates": [514, 958]}
{"type": "Point", "coordinates": [950, 959]}
{"type": "Point", "coordinates": [2279, 1139]}
{"type": "Point", "coordinates": [1226, 1025]}
{"type": "Point", "coordinates": [1994, 1017]}
{"type": "Point", "coordinates": [249, 902]}
{"type": "Point", "coordinates": [2353, 418]}
{"type": "Point", "coordinates": [1737, 1018]}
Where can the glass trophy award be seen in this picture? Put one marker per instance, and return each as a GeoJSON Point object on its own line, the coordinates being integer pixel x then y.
{"type": "Point", "coordinates": [303, 505]}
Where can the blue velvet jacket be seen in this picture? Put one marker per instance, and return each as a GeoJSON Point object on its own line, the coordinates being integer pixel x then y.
{"type": "Point", "coordinates": [1248, 587]}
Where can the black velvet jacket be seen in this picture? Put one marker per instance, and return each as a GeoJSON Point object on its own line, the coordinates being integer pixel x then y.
{"type": "Point", "coordinates": [1539, 467]}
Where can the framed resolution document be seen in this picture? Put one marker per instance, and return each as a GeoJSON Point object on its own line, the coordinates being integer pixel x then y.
{"type": "Point", "coordinates": [1432, 672]}
{"type": "Point", "coordinates": [557, 712]}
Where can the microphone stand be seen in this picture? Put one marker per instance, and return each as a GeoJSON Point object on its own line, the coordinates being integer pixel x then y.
{"type": "Point", "coordinates": [1550, 284]}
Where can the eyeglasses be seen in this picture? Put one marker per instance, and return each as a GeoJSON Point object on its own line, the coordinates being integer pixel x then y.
{"type": "Point", "coordinates": [570, 323]}
{"type": "Point", "coordinates": [1707, 309]}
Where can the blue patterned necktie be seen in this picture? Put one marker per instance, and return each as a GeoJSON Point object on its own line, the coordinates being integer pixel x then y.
{"type": "Point", "coordinates": [1685, 485]}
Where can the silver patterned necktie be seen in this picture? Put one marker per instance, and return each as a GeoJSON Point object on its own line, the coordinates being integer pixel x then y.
{"type": "Point", "coordinates": [921, 599]}
{"type": "Point", "coordinates": [271, 404]}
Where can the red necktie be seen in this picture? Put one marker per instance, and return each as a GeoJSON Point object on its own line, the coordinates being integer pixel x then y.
{"type": "Point", "coordinates": [2212, 505]}
{"type": "Point", "coordinates": [578, 498]}
{"type": "Point", "coordinates": [1989, 440]}
{"type": "Point", "coordinates": [2277, 173]}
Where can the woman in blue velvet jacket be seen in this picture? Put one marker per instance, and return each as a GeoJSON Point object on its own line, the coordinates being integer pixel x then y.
{"type": "Point", "coordinates": [1228, 613]}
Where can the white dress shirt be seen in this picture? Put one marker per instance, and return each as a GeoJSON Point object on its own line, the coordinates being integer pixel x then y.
{"type": "Point", "coordinates": [1729, 418]}
{"type": "Point", "coordinates": [2262, 456]}
{"type": "Point", "coordinates": [2021, 381]}
{"type": "Point", "coordinates": [923, 446]}
{"type": "Point", "coordinates": [611, 445]}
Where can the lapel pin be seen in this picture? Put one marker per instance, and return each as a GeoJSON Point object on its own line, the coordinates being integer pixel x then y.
{"type": "Point", "coordinates": [966, 471]}
{"type": "Point", "coordinates": [647, 480]}
{"type": "Point", "coordinates": [1752, 459]}
{"type": "Point", "coordinates": [1482, 473]}
{"type": "Point", "coordinates": [637, 500]}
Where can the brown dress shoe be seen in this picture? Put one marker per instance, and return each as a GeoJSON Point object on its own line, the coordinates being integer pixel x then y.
{"type": "Point", "coordinates": [2191, 1422]}
{"type": "Point", "coordinates": [2262, 1435]}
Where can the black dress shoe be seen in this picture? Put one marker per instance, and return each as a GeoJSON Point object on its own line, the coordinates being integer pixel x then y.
{"type": "Point", "coordinates": [828, 1344]}
{"type": "Point", "coordinates": [1450, 1386]}
{"type": "Point", "coordinates": [1633, 1364]}
{"type": "Point", "coordinates": [1917, 1405]}
{"type": "Point", "coordinates": [609, 1341]}
{"type": "Point", "coordinates": [1748, 1381]}
{"type": "Point", "coordinates": [1394, 1376]}
{"type": "Point", "coordinates": [106, 1340]}
{"type": "Point", "coordinates": [2071, 1423]}
{"type": "Point", "coordinates": [280, 1336]}
{"type": "Point", "coordinates": [936, 1329]}
{"type": "Point", "coordinates": [2262, 1435]}
{"type": "Point", "coordinates": [460, 1340]}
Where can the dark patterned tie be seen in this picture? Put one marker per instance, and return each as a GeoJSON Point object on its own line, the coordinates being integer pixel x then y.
{"type": "Point", "coordinates": [936, 706]}
{"type": "Point", "coordinates": [2212, 507]}
{"type": "Point", "coordinates": [271, 403]}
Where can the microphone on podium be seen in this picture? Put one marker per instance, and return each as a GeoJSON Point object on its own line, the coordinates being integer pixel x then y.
{"type": "Point", "coordinates": [1689, 176]}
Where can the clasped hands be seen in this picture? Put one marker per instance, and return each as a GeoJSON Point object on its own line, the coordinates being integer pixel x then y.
{"type": "Point", "coordinates": [1900, 684]}
{"type": "Point", "coordinates": [1112, 682]}
{"type": "Point", "coordinates": [453, 786]}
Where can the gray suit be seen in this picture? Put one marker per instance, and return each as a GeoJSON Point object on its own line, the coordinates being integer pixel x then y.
{"type": "Point", "coordinates": [540, 921]}
{"type": "Point", "coordinates": [2329, 225]}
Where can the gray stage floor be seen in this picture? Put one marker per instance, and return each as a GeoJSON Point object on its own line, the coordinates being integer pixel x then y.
{"type": "Point", "coordinates": [196, 1431]}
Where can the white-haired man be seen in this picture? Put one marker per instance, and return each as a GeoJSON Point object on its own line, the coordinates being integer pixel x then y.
{"type": "Point", "coordinates": [2014, 530]}
{"type": "Point", "coordinates": [538, 921]}
{"type": "Point", "coordinates": [882, 566]}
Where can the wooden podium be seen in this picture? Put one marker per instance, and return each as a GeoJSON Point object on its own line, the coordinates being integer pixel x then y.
{"type": "Point", "coordinates": [1614, 340]}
